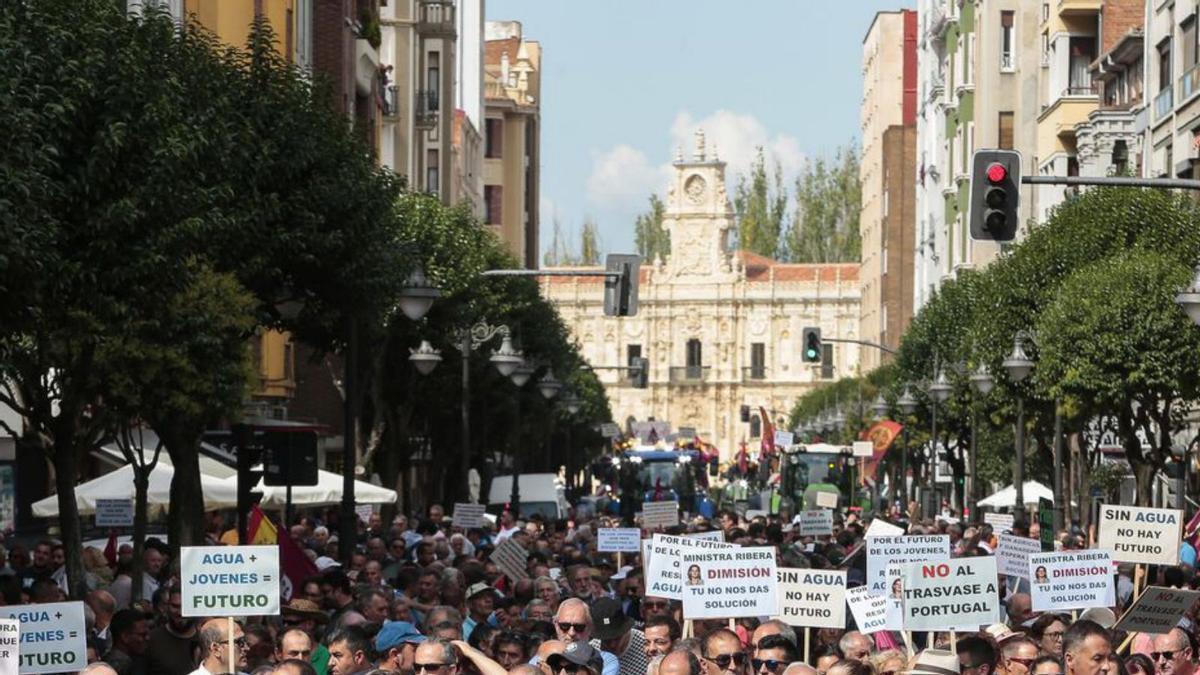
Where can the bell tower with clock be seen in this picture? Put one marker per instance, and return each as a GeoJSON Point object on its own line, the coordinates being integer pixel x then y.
{"type": "Point", "coordinates": [699, 218]}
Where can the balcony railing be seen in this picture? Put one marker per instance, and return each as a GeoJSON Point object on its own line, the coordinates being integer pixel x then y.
{"type": "Point", "coordinates": [754, 373]}
{"type": "Point", "coordinates": [436, 17]}
{"type": "Point", "coordinates": [425, 112]}
{"type": "Point", "coordinates": [1082, 89]}
{"type": "Point", "coordinates": [391, 100]}
{"type": "Point", "coordinates": [1189, 83]}
{"type": "Point", "coordinates": [688, 374]}
{"type": "Point", "coordinates": [1163, 103]}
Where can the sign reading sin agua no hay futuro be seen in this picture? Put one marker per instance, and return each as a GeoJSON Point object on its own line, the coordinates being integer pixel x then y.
{"type": "Point", "coordinates": [229, 580]}
{"type": "Point", "coordinates": [814, 598]}
{"type": "Point", "coordinates": [53, 637]}
{"type": "Point", "coordinates": [1140, 535]}
{"type": "Point", "coordinates": [729, 582]}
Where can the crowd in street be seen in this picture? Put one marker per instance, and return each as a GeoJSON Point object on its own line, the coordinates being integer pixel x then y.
{"type": "Point", "coordinates": [421, 597]}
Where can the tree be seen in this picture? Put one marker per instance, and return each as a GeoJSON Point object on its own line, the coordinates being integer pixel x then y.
{"type": "Point", "coordinates": [762, 207]}
{"type": "Point", "coordinates": [589, 243]}
{"type": "Point", "coordinates": [652, 239]}
{"type": "Point", "coordinates": [828, 199]}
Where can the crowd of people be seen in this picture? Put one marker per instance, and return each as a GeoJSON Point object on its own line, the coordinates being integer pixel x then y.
{"type": "Point", "coordinates": [421, 597]}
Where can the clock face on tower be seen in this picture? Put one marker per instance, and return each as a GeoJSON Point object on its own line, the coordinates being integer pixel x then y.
{"type": "Point", "coordinates": [694, 189]}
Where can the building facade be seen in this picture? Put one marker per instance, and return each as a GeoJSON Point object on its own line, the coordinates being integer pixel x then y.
{"type": "Point", "coordinates": [512, 138]}
{"type": "Point", "coordinates": [721, 328]}
{"type": "Point", "coordinates": [886, 219]}
{"type": "Point", "coordinates": [1172, 135]}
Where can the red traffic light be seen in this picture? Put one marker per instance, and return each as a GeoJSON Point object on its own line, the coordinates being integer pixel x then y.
{"type": "Point", "coordinates": [996, 173]}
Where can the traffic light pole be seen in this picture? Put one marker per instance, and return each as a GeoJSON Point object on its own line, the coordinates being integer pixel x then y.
{"type": "Point", "coordinates": [864, 343]}
{"type": "Point", "coordinates": [1114, 181]}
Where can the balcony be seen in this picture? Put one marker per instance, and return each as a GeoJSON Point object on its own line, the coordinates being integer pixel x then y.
{"type": "Point", "coordinates": [425, 109]}
{"type": "Point", "coordinates": [435, 18]}
{"type": "Point", "coordinates": [1189, 84]}
{"type": "Point", "coordinates": [1068, 7]}
{"type": "Point", "coordinates": [1164, 103]}
{"type": "Point", "coordinates": [391, 102]}
{"type": "Point", "coordinates": [754, 373]}
{"type": "Point", "coordinates": [1082, 89]}
{"type": "Point", "coordinates": [689, 374]}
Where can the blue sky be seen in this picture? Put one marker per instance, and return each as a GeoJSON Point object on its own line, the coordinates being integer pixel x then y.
{"type": "Point", "coordinates": [625, 81]}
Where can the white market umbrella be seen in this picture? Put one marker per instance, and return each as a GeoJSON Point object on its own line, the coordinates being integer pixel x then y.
{"type": "Point", "coordinates": [218, 493]}
{"type": "Point", "coordinates": [327, 492]}
{"type": "Point", "coordinates": [1008, 496]}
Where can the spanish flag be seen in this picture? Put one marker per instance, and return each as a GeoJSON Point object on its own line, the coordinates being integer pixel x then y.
{"type": "Point", "coordinates": [259, 529]}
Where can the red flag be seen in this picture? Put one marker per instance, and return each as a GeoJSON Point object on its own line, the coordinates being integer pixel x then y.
{"type": "Point", "coordinates": [767, 444]}
{"type": "Point", "coordinates": [110, 549]}
{"type": "Point", "coordinates": [743, 461]}
{"type": "Point", "coordinates": [1191, 531]}
{"type": "Point", "coordinates": [882, 434]}
{"type": "Point", "coordinates": [295, 566]}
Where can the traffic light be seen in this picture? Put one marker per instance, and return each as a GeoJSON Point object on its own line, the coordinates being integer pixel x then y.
{"type": "Point", "coordinates": [248, 455]}
{"type": "Point", "coordinates": [640, 375]}
{"type": "Point", "coordinates": [995, 194]}
{"type": "Point", "coordinates": [289, 458]}
{"type": "Point", "coordinates": [621, 292]}
{"type": "Point", "coordinates": [812, 345]}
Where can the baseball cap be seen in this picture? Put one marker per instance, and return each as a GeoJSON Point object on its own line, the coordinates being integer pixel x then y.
{"type": "Point", "coordinates": [479, 587]}
{"type": "Point", "coordinates": [325, 562]}
{"type": "Point", "coordinates": [581, 654]}
{"type": "Point", "coordinates": [396, 633]}
{"type": "Point", "coordinates": [1101, 615]}
{"type": "Point", "coordinates": [608, 620]}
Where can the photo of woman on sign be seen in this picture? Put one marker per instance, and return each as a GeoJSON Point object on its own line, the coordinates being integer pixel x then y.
{"type": "Point", "coordinates": [1039, 575]}
{"type": "Point", "coordinates": [694, 576]}
{"type": "Point", "coordinates": [898, 589]}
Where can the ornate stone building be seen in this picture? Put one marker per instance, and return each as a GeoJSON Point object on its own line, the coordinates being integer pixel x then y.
{"type": "Point", "coordinates": [720, 327]}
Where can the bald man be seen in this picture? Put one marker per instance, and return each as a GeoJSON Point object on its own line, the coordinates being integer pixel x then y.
{"type": "Point", "coordinates": [800, 668]}
{"type": "Point", "coordinates": [214, 648]}
{"type": "Point", "coordinates": [1173, 653]}
{"type": "Point", "coordinates": [680, 662]}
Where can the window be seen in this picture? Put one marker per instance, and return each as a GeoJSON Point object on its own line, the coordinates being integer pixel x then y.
{"type": "Point", "coordinates": [431, 171]}
{"type": "Point", "coordinates": [493, 198]}
{"type": "Point", "coordinates": [632, 353]}
{"type": "Point", "coordinates": [1083, 52]}
{"type": "Point", "coordinates": [1004, 139]}
{"type": "Point", "coordinates": [289, 360]}
{"type": "Point", "coordinates": [694, 360]}
{"type": "Point", "coordinates": [1007, 41]}
{"type": "Point", "coordinates": [304, 29]}
{"type": "Point", "coordinates": [826, 361]}
{"type": "Point", "coordinates": [758, 360]}
{"type": "Point", "coordinates": [1187, 42]}
{"type": "Point", "coordinates": [755, 426]}
{"type": "Point", "coordinates": [1164, 64]}
{"type": "Point", "coordinates": [493, 138]}
{"type": "Point", "coordinates": [433, 79]}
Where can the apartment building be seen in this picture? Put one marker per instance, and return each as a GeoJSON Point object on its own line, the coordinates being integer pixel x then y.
{"type": "Point", "coordinates": [888, 123]}
{"type": "Point", "coordinates": [1172, 135]}
{"type": "Point", "coordinates": [512, 137]}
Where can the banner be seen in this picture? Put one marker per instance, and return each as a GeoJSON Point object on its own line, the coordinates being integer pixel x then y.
{"type": "Point", "coordinates": [954, 595]}
{"type": "Point", "coordinates": [882, 434]}
{"type": "Point", "coordinates": [114, 513]}
{"type": "Point", "coordinates": [618, 539]}
{"type": "Point", "coordinates": [1012, 555]}
{"type": "Point", "coordinates": [882, 528]}
{"type": "Point", "coordinates": [664, 563]}
{"type": "Point", "coordinates": [53, 636]}
{"type": "Point", "coordinates": [870, 611]}
{"type": "Point", "coordinates": [1074, 580]}
{"type": "Point", "coordinates": [1000, 522]}
{"type": "Point", "coordinates": [730, 582]}
{"type": "Point", "coordinates": [817, 523]}
{"type": "Point", "coordinates": [815, 598]}
{"type": "Point", "coordinates": [10, 646]}
{"type": "Point", "coordinates": [1140, 535]}
{"type": "Point", "coordinates": [884, 551]}
{"type": "Point", "coordinates": [660, 514]}
{"type": "Point", "coordinates": [229, 580]}
{"type": "Point", "coordinates": [1158, 610]}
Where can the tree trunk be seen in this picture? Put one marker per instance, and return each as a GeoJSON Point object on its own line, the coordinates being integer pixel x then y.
{"type": "Point", "coordinates": [66, 472]}
{"type": "Point", "coordinates": [1144, 474]}
{"type": "Point", "coordinates": [141, 485]}
{"type": "Point", "coordinates": [185, 521]}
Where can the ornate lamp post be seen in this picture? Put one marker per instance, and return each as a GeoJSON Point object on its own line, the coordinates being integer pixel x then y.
{"type": "Point", "coordinates": [1019, 366]}
{"type": "Point", "coordinates": [939, 392]}
{"type": "Point", "coordinates": [982, 383]}
{"type": "Point", "coordinates": [908, 406]}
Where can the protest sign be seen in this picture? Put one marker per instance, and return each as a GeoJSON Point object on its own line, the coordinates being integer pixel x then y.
{"type": "Point", "coordinates": [1000, 522]}
{"type": "Point", "coordinates": [895, 597]}
{"type": "Point", "coordinates": [364, 512]}
{"type": "Point", "coordinates": [882, 528]}
{"type": "Point", "coordinates": [815, 598]}
{"type": "Point", "coordinates": [884, 551]}
{"type": "Point", "coordinates": [1071, 580]}
{"type": "Point", "coordinates": [817, 523]}
{"type": "Point", "coordinates": [1012, 555]}
{"type": "Point", "coordinates": [729, 582]}
{"type": "Point", "coordinates": [618, 539]}
{"type": "Point", "coordinates": [660, 514]}
{"type": "Point", "coordinates": [711, 535]}
{"type": "Point", "coordinates": [468, 516]}
{"type": "Point", "coordinates": [510, 557]}
{"type": "Point", "coordinates": [10, 644]}
{"type": "Point", "coordinates": [664, 566]}
{"type": "Point", "coordinates": [953, 595]}
{"type": "Point", "coordinates": [610, 430]}
{"type": "Point", "coordinates": [783, 439]}
{"type": "Point", "coordinates": [827, 500]}
{"type": "Point", "coordinates": [1158, 610]}
{"type": "Point", "coordinates": [53, 636]}
{"type": "Point", "coordinates": [114, 513]}
{"type": "Point", "coordinates": [1140, 535]}
{"type": "Point", "coordinates": [870, 611]}
{"type": "Point", "coordinates": [863, 449]}
{"type": "Point", "coordinates": [230, 580]}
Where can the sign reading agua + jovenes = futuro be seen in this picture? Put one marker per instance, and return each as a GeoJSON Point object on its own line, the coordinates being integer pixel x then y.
{"type": "Point", "coordinates": [814, 598]}
{"type": "Point", "coordinates": [229, 580]}
{"type": "Point", "coordinates": [957, 594]}
{"type": "Point", "coordinates": [729, 582]}
{"type": "Point", "coordinates": [53, 638]}
{"type": "Point", "coordinates": [1140, 535]}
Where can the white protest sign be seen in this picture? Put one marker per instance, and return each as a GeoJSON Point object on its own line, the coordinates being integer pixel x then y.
{"type": "Point", "coordinates": [660, 514]}
{"type": "Point", "coordinates": [751, 514]}
{"type": "Point", "coordinates": [622, 539]}
{"type": "Point", "coordinates": [114, 513]}
{"type": "Point", "coordinates": [827, 500]}
{"type": "Point", "coordinates": [1000, 522]}
{"type": "Point", "coordinates": [863, 449]}
{"type": "Point", "coordinates": [664, 569]}
{"type": "Point", "coordinates": [511, 557]}
{"type": "Point", "coordinates": [1158, 610]}
{"type": "Point", "coordinates": [1071, 580]}
{"type": "Point", "coordinates": [817, 523]}
{"type": "Point", "coordinates": [882, 528]}
{"type": "Point", "coordinates": [10, 645]}
{"type": "Point", "coordinates": [870, 611]}
{"type": "Point", "coordinates": [229, 580]}
{"type": "Point", "coordinates": [364, 512]}
{"type": "Point", "coordinates": [1140, 535]}
{"type": "Point", "coordinates": [610, 430]}
{"type": "Point", "coordinates": [884, 551]}
{"type": "Point", "coordinates": [1012, 555]}
{"type": "Point", "coordinates": [711, 535]}
{"type": "Point", "coordinates": [53, 636]}
{"type": "Point", "coordinates": [954, 595]}
{"type": "Point", "coordinates": [468, 516]}
{"type": "Point", "coordinates": [729, 582]}
{"type": "Point", "coordinates": [815, 598]}
{"type": "Point", "coordinates": [784, 439]}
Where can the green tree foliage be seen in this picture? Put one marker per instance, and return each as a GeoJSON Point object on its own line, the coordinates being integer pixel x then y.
{"type": "Point", "coordinates": [652, 239]}
{"type": "Point", "coordinates": [828, 198]}
{"type": "Point", "coordinates": [589, 243]}
{"type": "Point", "coordinates": [761, 203]}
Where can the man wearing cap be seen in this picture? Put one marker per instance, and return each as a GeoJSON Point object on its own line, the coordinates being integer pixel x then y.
{"type": "Point", "coordinates": [615, 634]}
{"type": "Point", "coordinates": [396, 646]}
{"type": "Point", "coordinates": [935, 662]}
{"type": "Point", "coordinates": [576, 657]}
{"type": "Point", "coordinates": [481, 602]}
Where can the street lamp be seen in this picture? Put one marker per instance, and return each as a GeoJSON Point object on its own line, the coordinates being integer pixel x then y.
{"type": "Point", "coordinates": [982, 383]}
{"type": "Point", "coordinates": [939, 392]}
{"type": "Point", "coordinates": [522, 373]}
{"type": "Point", "coordinates": [572, 404]}
{"type": "Point", "coordinates": [417, 295]}
{"type": "Point", "coordinates": [425, 358]}
{"type": "Point", "coordinates": [880, 406]}
{"type": "Point", "coordinates": [1019, 366]}
{"type": "Point", "coordinates": [839, 419]}
{"type": "Point", "coordinates": [908, 406]}
{"type": "Point", "coordinates": [549, 385]}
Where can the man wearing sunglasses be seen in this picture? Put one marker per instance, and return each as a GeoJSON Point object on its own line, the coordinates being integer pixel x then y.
{"type": "Point", "coordinates": [435, 657]}
{"type": "Point", "coordinates": [723, 649]}
{"type": "Point", "coordinates": [214, 648]}
{"type": "Point", "coordinates": [1173, 653]}
{"type": "Point", "coordinates": [774, 654]}
{"type": "Point", "coordinates": [578, 658]}
{"type": "Point", "coordinates": [1018, 654]}
{"type": "Point", "coordinates": [573, 623]}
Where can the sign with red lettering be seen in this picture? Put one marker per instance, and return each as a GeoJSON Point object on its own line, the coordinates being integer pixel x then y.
{"type": "Point", "coordinates": [884, 551]}
{"type": "Point", "coordinates": [664, 562]}
{"type": "Point", "coordinates": [1071, 580]}
{"type": "Point", "coordinates": [729, 582]}
{"type": "Point", "coordinates": [958, 594]}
